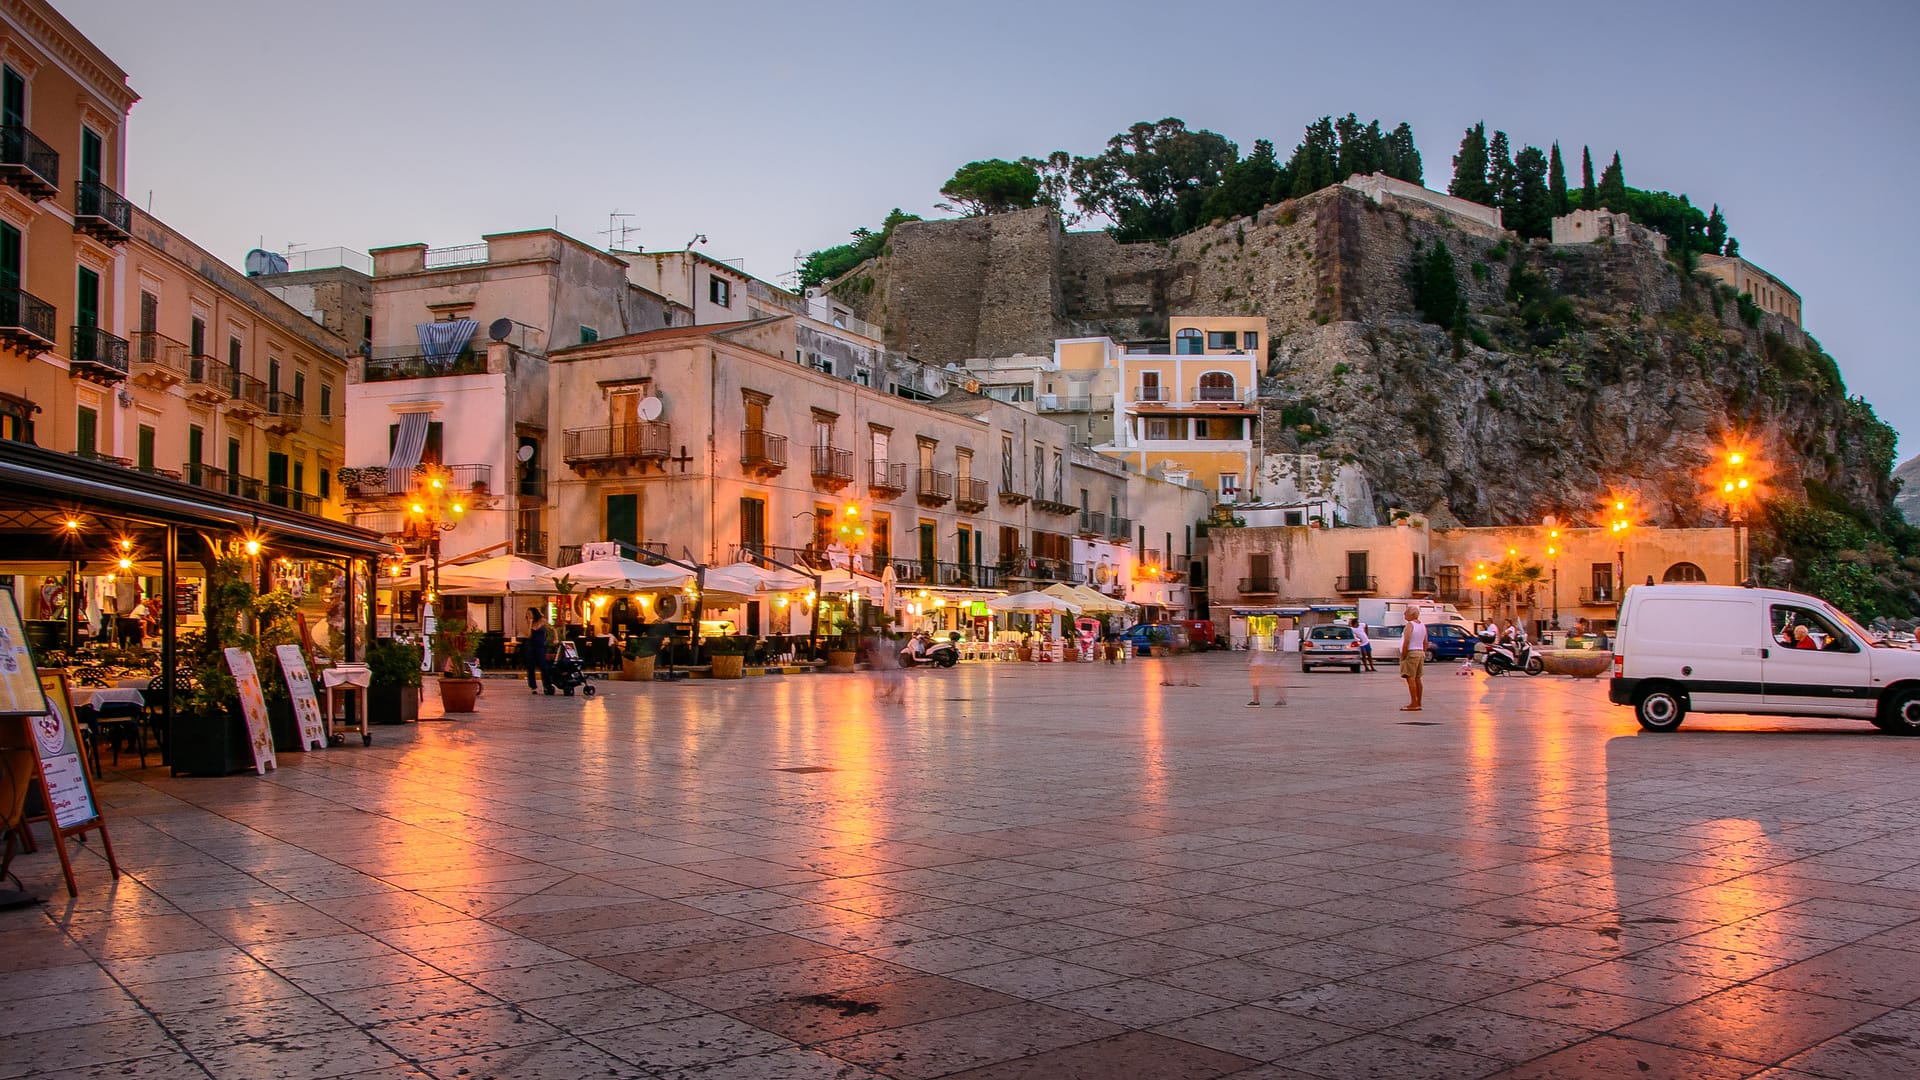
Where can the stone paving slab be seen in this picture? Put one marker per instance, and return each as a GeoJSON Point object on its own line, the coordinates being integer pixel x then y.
{"type": "Point", "coordinates": [1017, 872]}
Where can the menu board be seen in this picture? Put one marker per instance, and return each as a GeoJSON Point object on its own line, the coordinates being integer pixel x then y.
{"type": "Point", "coordinates": [20, 691]}
{"type": "Point", "coordinates": [253, 706]}
{"type": "Point", "coordinates": [306, 707]}
{"type": "Point", "coordinates": [69, 797]}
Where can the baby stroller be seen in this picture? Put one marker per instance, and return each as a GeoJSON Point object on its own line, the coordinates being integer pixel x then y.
{"type": "Point", "coordinates": [569, 671]}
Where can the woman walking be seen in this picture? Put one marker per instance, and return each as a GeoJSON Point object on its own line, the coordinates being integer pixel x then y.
{"type": "Point", "coordinates": [534, 652]}
{"type": "Point", "coordinates": [1264, 670]}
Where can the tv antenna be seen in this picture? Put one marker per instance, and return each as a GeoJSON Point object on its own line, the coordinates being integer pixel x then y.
{"type": "Point", "coordinates": [617, 226]}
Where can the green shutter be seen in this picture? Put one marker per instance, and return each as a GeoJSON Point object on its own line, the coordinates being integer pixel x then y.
{"type": "Point", "coordinates": [86, 431]}
{"type": "Point", "coordinates": [13, 99]}
{"type": "Point", "coordinates": [9, 258]}
{"type": "Point", "coordinates": [146, 449]}
{"type": "Point", "coordinates": [90, 156]}
{"type": "Point", "coordinates": [86, 298]}
{"type": "Point", "coordinates": [623, 518]}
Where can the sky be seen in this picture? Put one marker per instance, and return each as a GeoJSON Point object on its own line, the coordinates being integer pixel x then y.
{"type": "Point", "coordinates": [775, 129]}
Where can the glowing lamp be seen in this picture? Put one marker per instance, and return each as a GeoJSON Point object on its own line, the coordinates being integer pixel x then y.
{"type": "Point", "coordinates": [126, 564]}
{"type": "Point", "coordinates": [72, 523]}
{"type": "Point", "coordinates": [1736, 458]}
{"type": "Point", "coordinates": [253, 547]}
{"type": "Point", "coordinates": [436, 483]}
{"type": "Point", "coordinates": [459, 508]}
{"type": "Point", "coordinates": [418, 509]}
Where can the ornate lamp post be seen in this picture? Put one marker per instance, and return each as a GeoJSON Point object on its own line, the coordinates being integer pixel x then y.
{"type": "Point", "coordinates": [1620, 524]}
{"type": "Point", "coordinates": [1553, 560]}
{"type": "Point", "coordinates": [432, 509]}
{"type": "Point", "coordinates": [1737, 487]}
{"type": "Point", "coordinates": [1480, 578]}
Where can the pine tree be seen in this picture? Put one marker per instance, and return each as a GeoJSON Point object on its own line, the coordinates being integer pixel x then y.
{"type": "Point", "coordinates": [1557, 181]}
{"type": "Point", "coordinates": [1613, 186]}
{"type": "Point", "coordinates": [1531, 212]}
{"type": "Point", "coordinates": [1403, 159]}
{"type": "Point", "coordinates": [1470, 168]}
{"type": "Point", "coordinates": [1716, 231]}
{"type": "Point", "coordinates": [1316, 159]}
{"type": "Point", "coordinates": [1589, 196]}
{"type": "Point", "coordinates": [1500, 176]}
{"type": "Point", "coordinates": [1733, 248]}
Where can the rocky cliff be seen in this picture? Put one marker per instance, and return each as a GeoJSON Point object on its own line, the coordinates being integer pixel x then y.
{"type": "Point", "coordinates": [1581, 369]}
{"type": "Point", "coordinates": [1908, 501]}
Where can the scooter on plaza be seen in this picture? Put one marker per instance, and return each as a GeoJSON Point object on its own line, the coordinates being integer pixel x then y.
{"type": "Point", "coordinates": [1509, 656]}
{"type": "Point", "coordinates": [924, 650]}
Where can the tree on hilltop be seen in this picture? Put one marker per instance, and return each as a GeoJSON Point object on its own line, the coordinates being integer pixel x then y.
{"type": "Point", "coordinates": [1316, 161]}
{"type": "Point", "coordinates": [1716, 231]}
{"type": "Point", "coordinates": [1153, 178]}
{"type": "Point", "coordinates": [1613, 186]}
{"type": "Point", "coordinates": [991, 187]}
{"type": "Point", "coordinates": [1403, 158]}
{"type": "Point", "coordinates": [1247, 185]}
{"type": "Point", "coordinates": [1054, 172]}
{"type": "Point", "coordinates": [1589, 195]}
{"type": "Point", "coordinates": [1470, 168]}
{"type": "Point", "coordinates": [1557, 181]}
{"type": "Point", "coordinates": [1531, 211]}
{"type": "Point", "coordinates": [1500, 174]}
{"type": "Point", "coordinates": [829, 263]}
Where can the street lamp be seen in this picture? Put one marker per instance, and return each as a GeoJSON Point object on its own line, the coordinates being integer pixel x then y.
{"type": "Point", "coordinates": [1621, 523]}
{"type": "Point", "coordinates": [432, 509]}
{"type": "Point", "coordinates": [1553, 560]}
{"type": "Point", "coordinates": [1738, 486]}
{"type": "Point", "coordinates": [1480, 578]}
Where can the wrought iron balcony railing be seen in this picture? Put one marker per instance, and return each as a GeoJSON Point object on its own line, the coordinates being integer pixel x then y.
{"type": "Point", "coordinates": [889, 479]}
{"type": "Point", "coordinates": [763, 452]}
{"type": "Point", "coordinates": [28, 163]}
{"type": "Point", "coordinates": [1259, 586]}
{"type": "Point", "coordinates": [971, 494]}
{"type": "Point", "coordinates": [649, 440]}
{"type": "Point", "coordinates": [26, 321]}
{"type": "Point", "coordinates": [98, 355]}
{"type": "Point", "coordinates": [833, 466]}
{"type": "Point", "coordinates": [1356, 584]}
{"type": "Point", "coordinates": [101, 212]}
{"type": "Point", "coordinates": [936, 487]}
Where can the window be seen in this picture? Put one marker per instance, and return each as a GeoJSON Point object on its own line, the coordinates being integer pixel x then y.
{"type": "Point", "coordinates": [755, 406]}
{"type": "Point", "coordinates": [1039, 471]}
{"type": "Point", "coordinates": [1229, 486]}
{"type": "Point", "coordinates": [1447, 581]}
{"type": "Point", "coordinates": [233, 466]}
{"type": "Point", "coordinates": [927, 450]}
{"type": "Point", "coordinates": [1216, 386]}
{"type": "Point", "coordinates": [196, 444]}
{"type": "Point", "coordinates": [149, 312]}
{"type": "Point", "coordinates": [86, 431]}
{"type": "Point", "coordinates": [273, 378]}
{"type": "Point", "coordinates": [90, 155]}
{"type": "Point", "coordinates": [1059, 476]}
{"type": "Point", "coordinates": [197, 336]}
{"type": "Point", "coordinates": [1159, 427]}
{"type": "Point", "coordinates": [13, 99]}
{"type": "Point", "coordinates": [277, 478]}
{"type": "Point", "coordinates": [1150, 386]}
{"type": "Point", "coordinates": [233, 357]}
{"type": "Point", "coordinates": [822, 430]}
{"type": "Point", "coordinates": [1009, 545]}
{"type": "Point", "coordinates": [326, 480]}
{"type": "Point", "coordinates": [963, 554]}
{"type": "Point", "coordinates": [1222, 341]}
{"type": "Point", "coordinates": [588, 335]}
{"type": "Point", "coordinates": [326, 401]}
{"type": "Point", "coordinates": [144, 454]}
{"type": "Point", "coordinates": [881, 450]}
{"type": "Point", "coordinates": [1357, 571]}
{"type": "Point", "coordinates": [963, 465]}
{"type": "Point", "coordinates": [1250, 341]}
{"type": "Point", "coordinates": [1684, 571]}
{"type": "Point", "coordinates": [299, 476]}
{"type": "Point", "coordinates": [623, 518]}
{"type": "Point", "coordinates": [1602, 581]}
{"type": "Point", "coordinates": [882, 541]}
{"type": "Point", "coordinates": [753, 524]}
{"type": "Point", "coordinates": [9, 258]}
{"type": "Point", "coordinates": [862, 377]}
{"type": "Point", "coordinates": [719, 291]}
{"type": "Point", "coordinates": [1821, 636]}
{"type": "Point", "coordinates": [86, 298]}
{"type": "Point", "coordinates": [430, 453]}
{"type": "Point", "coordinates": [1006, 463]}
{"type": "Point", "coordinates": [1295, 517]}
{"type": "Point", "coordinates": [299, 387]}
{"type": "Point", "coordinates": [1188, 342]}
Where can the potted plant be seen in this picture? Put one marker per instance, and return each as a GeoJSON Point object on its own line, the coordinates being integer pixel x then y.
{"type": "Point", "coordinates": [729, 656]}
{"type": "Point", "coordinates": [843, 651]}
{"type": "Point", "coordinates": [454, 642]}
{"type": "Point", "coordinates": [1402, 517]}
{"type": "Point", "coordinates": [636, 661]}
{"type": "Point", "coordinates": [393, 691]}
{"type": "Point", "coordinates": [209, 736]}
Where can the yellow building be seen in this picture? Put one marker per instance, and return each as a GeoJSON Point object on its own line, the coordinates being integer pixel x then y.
{"type": "Point", "coordinates": [1191, 415]}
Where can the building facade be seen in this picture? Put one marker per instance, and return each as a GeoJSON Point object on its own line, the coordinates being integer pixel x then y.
{"type": "Point", "coordinates": [1770, 293]}
{"type": "Point", "coordinates": [1192, 415]}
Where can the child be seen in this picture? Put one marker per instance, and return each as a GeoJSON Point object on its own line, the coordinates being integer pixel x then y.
{"type": "Point", "coordinates": [1264, 670]}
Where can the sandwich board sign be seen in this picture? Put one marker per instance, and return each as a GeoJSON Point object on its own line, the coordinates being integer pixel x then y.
{"type": "Point", "coordinates": [306, 706]}
{"type": "Point", "coordinates": [65, 786]}
{"type": "Point", "coordinates": [253, 706]}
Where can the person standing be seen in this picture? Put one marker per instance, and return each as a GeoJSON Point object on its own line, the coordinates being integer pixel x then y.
{"type": "Point", "coordinates": [1366, 645]}
{"type": "Point", "coordinates": [1413, 659]}
{"type": "Point", "coordinates": [1264, 670]}
{"type": "Point", "coordinates": [534, 652]}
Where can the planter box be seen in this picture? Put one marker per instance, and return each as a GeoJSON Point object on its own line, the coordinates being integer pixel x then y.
{"type": "Point", "coordinates": [640, 670]}
{"type": "Point", "coordinates": [729, 667]}
{"type": "Point", "coordinates": [459, 695]}
{"type": "Point", "coordinates": [842, 661]}
{"type": "Point", "coordinates": [393, 704]}
{"type": "Point", "coordinates": [286, 730]}
{"type": "Point", "coordinates": [209, 745]}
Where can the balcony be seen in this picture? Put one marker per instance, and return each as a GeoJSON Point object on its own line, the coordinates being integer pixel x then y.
{"type": "Point", "coordinates": [1093, 524]}
{"type": "Point", "coordinates": [208, 380]}
{"type": "Point", "coordinates": [1350, 585]}
{"type": "Point", "coordinates": [158, 361]}
{"type": "Point", "coordinates": [26, 322]}
{"type": "Point", "coordinates": [889, 479]}
{"type": "Point", "coordinates": [832, 467]}
{"type": "Point", "coordinates": [530, 542]}
{"type": "Point", "coordinates": [936, 487]}
{"type": "Point", "coordinates": [646, 443]}
{"type": "Point", "coordinates": [29, 165]}
{"type": "Point", "coordinates": [1053, 505]}
{"type": "Point", "coordinates": [1425, 586]}
{"type": "Point", "coordinates": [763, 453]}
{"type": "Point", "coordinates": [1119, 528]}
{"type": "Point", "coordinates": [971, 494]}
{"type": "Point", "coordinates": [246, 487]}
{"type": "Point", "coordinates": [284, 413]}
{"type": "Point", "coordinates": [100, 212]}
{"type": "Point", "coordinates": [1150, 394]}
{"type": "Point", "coordinates": [98, 356]}
{"type": "Point", "coordinates": [247, 396]}
{"type": "Point", "coordinates": [469, 479]}
{"type": "Point", "coordinates": [417, 366]}
{"type": "Point", "coordinates": [204, 476]}
{"type": "Point", "coordinates": [279, 495]}
{"type": "Point", "coordinates": [1220, 395]}
{"type": "Point", "coordinates": [1599, 597]}
{"type": "Point", "coordinates": [1011, 495]}
{"type": "Point", "coordinates": [385, 522]}
{"type": "Point", "coordinates": [91, 454]}
{"type": "Point", "coordinates": [1259, 586]}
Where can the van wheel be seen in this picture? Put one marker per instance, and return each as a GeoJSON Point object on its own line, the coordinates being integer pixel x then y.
{"type": "Point", "coordinates": [1900, 713]}
{"type": "Point", "coordinates": [1660, 709]}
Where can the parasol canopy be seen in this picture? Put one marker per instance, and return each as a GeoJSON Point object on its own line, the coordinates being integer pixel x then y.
{"type": "Point", "coordinates": [500, 575]}
{"type": "Point", "coordinates": [1032, 602]}
{"type": "Point", "coordinates": [746, 579]}
{"type": "Point", "coordinates": [617, 575]}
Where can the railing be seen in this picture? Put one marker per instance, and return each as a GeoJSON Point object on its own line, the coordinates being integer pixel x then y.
{"type": "Point", "coordinates": [282, 404]}
{"type": "Point", "coordinates": [1424, 585]}
{"type": "Point", "coordinates": [159, 353]}
{"type": "Point", "coordinates": [388, 522]}
{"type": "Point", "coordinates": [28, 163]}
{"type": "Point", "coordinates": [1598, 597]}
{"type": "Point", "coordinates": [1179, 563]}
{"type": "Point", "coordinates": [1012, 495]}
{"type": "Point", "coordinates": [329, 257]}
{"type": "Point", "coordinates": [889, 477]}
{"type": "Point", "coordinates": [417, 366]}
{"type": "Point", "coordinates": [649, 439]}
{"type": "Point", "coordinates": [92, 345]}
{"type": "Point", "coordinates": [935, 486]}
{"type": "Point", "coordinates": [202, 475]}
{"type": "Point", "coordinates": [94, 454]}
{"type": "Point", "coordinates": [247, 391]}
{"type": "Point", "coordinates": [971, 495]}
{"type": "Point", "coordinates": [529, 542]}
{"type": "Point", "coordinates": [763, 450]}
{"type": "Point", "coordinates": [246, 487]}
{"type": "Point", "coordinates": [1093, 523]}
{"type": "Point", "coordinates": [832, 463]}
{"type": "Point", "coordinates": [1456, 595]}
{"type": "Point", "coordinates": [292, 499]}
{"type": "Point", "coordinates": [461, 255]}
{"type": "Point", "coordinates": [1120, 528]}
{"type": "Point", "coordinates": [107, 214]}
{"type": "Point", "coordinates": [210, 375]}
{"type": "Point", "coordinates": [1150, 393]}
{"type": "Point", "coordinates": [1259, 586]}
{"type": "Point", "coordinates": [470, 479]}
{"type": "Point", "coordinates": [1221, 393]}
{"type": "Point", "coordinates": [26, 320]}
{"type": "Point", "coordinates": [1356, 584]}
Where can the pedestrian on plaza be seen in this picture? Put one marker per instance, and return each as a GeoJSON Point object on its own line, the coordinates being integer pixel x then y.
{"type": "Point", "coordinates": [1413, 659]}
{"type": "Point", "coordinates": [1366, 645]}
{"type": "Point", "coordinates": [534, 652]}
{"type": "Point", "coordinates": [1264, 670]}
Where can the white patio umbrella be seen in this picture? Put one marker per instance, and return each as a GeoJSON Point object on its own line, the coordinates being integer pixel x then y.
{"type": "Point", "coordinates": [618, 575]}
{"type": "Point", "coordinates": [498, 576]}
{"type": "Point", "coordinates": [1094, 602]}
{"type": "Point", "coordinates": [838, 581]}
{"type": "Point", "coordinates": [1032, 603]}
{"type": "Point", "coordinates": [746, 579]}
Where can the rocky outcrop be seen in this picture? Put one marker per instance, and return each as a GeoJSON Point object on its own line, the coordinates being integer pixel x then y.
{"type": "Point", "coordinates": [1583, 369]}
{"type": "Point", "coordinates": [1908, 500]}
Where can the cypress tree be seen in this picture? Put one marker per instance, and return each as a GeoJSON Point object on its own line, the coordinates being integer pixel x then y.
{"type": "Point", "coordinates": [1557, 181]}
{"type": "Point", "coordinates": [1716, 231]}
{"type": "Point", "coordinates": [1470, 168]}
{"type": "Point", "coordinates": [1531, 214]}
{"type": "Point", "coordinates": [1316, 159]}
{"type": "Point", "coordinates": [1500, 175]}
{"type": "Point", "coordinates": [1589, 195]}
{"type": "Point", "coordinates": [1403, 159]}
{"type": "Point", "coordinates": [1613, 186]}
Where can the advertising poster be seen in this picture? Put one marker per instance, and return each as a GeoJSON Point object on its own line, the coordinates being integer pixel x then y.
{"type": "Point", "coordinates": [253, 706]}
{"type": "Point", "coordinates": [58, 744]}
{"type": "Point", "coordinates": [306, 706]}
{"type": "Point", "coordinates": [20, 692]}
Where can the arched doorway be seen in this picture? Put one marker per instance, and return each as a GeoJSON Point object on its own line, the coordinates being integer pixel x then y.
{"type": "Point", "coordinates": [1683, 572]}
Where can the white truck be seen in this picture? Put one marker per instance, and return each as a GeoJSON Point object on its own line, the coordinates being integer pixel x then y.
{"type": "Point", "coordinates": [1383, 612]}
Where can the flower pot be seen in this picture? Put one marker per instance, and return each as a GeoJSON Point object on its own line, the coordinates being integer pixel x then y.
{"type": "Point", "coordinates": [393, 704]}
{"type": "Point", "coordinates": [636, 670]}
{"type": "Point", "coordinates": [841, 661]}
{"type": "Point", "coordinates": [458, 694]}
{"type": "Point", "coordinates": [213, 745]}
{"type": "Point", "coordinates": [729, 667]}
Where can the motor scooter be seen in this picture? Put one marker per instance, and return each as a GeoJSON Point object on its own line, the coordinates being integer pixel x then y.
{"type": "Point", "coordinates": [924, 649]}
{"type": "Point", "coordinates": [1509, 656]}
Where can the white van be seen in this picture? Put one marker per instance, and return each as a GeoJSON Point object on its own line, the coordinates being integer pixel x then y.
{"type": "Point", "coordinates": [1722, 648]}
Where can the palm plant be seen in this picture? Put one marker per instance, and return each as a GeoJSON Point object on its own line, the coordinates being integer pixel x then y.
{"type": "Point", "coordinates": [1514, 577]}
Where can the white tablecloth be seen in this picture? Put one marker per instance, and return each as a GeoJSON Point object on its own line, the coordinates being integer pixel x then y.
{"type": "Point", "coordinates": [347, 675]}
{"type": "Point", "coordinates": [105, 695]}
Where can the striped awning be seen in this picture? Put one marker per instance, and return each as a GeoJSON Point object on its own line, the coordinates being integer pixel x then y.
{"type": "Point", "coordinates": [408, 444]}
{"type": "Point", "coordinates": [441, 342]}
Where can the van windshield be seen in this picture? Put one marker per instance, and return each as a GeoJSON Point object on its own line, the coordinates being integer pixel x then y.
{"type": "Point", "coordinates": [1854, 628]}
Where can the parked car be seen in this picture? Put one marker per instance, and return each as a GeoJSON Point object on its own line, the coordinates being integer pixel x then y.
{"type": "Point", "coordinates": [1199, 633]}
{"type": "Point", "coordinates": [1728, 649]}
{"type": "Point", "coordinates": [1330, 645]}
{"type": "Point", "coordinates": [1386, 642]}
{"type": "Point", "coordinates": [1449, 641]}
{"type": "Point", "coordinates": [1145, 636]}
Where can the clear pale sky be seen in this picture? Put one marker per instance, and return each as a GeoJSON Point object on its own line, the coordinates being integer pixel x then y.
{"type": "Point", "coordinates": [777, 128]}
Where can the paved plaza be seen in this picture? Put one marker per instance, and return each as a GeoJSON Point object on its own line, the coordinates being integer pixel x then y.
{"type": "Point", "coordinates": [1021, 871]}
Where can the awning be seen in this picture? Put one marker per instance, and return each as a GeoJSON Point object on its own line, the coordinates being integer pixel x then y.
{"type": "Point", "coordinates": [408, 444]}
{"type": "Point", "coordinates": [441, 342]}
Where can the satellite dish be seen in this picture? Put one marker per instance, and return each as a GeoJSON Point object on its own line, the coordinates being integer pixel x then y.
{"type": "Point", "coordinates": [651, 407]}
{"type": "Point", "coordinates": [498, 329]}
{"type": "Point", "coordinates": [525, 453]}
